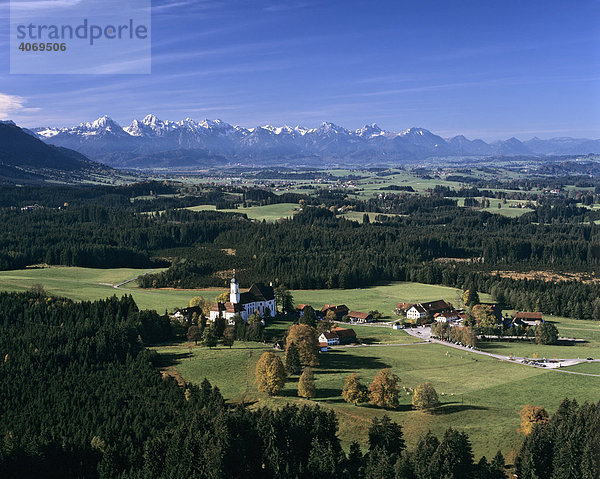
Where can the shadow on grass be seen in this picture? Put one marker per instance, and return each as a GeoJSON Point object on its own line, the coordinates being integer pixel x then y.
{"type": "Point", "coordinates": [452, 408]}
{"type": "Point", "coordinates": [340, 361]}
{"type": "Point", "coordinates": [164, 360]}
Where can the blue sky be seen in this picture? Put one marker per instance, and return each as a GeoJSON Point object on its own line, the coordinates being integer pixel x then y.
{"type": "Point", "coordinates": [486, 69]}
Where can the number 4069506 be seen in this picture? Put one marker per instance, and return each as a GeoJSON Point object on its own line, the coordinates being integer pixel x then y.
{"type": "Point", "coordinates": [43, 47]}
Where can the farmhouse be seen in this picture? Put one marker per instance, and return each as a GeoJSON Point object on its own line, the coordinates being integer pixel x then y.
{"type": "Point", "coordinates": [181, 314]}
{"type": "Point", "coordinates": [422, 310]}
{"type": "Point", "coordinates": [259, 298]}
{"type": "Point", "coordinates": [358, 317]}
{"type": "Point", "coordinates": [337, 336]}
{"type": "Point", "coordinates": [529, 319]}
{"type": "Point", "coordinates": [416, 312]}
{"type": "Point", "coordinates": [446, 317]}
{"type": "Point", "coordinates": [329, 338]}
{"type": "Point", "coordinates": [346, 335]}
{"type": "Point", "coordinates": [339, 311]}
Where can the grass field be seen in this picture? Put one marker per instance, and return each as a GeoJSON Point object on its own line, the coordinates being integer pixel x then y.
{"type": "Point", "coordinates": [478, 394]}
{"type": "Point", "coordinates": [84, 284]}
{"type": "Point", "coordinates": [89, 284]}
{"type": "Point", "coordinates": [567, 328]}
{"type": "Point", "coordinates": [383, 298]}
{"type": "Point", "coordinates": [267, 212]}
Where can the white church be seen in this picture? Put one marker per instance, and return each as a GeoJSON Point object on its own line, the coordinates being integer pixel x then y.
{"type": "Point", "coordinates": [259, 298]}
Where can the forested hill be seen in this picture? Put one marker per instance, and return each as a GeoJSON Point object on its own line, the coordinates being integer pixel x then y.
{"type": "Point", "coordinates": [80, 397]}
{"type": "Point", "coordinates": [434, 242]}
{"type": "Point", "coordinates": [25, 158]}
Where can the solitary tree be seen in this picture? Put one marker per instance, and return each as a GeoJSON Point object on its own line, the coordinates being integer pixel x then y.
{"type": "Point", "coordinates": [194, 334]}
{"type": "Point", "coordinates": [546, 333]}
{"type": "Point", "coordinates": [354, 392]}
{"type": "Point", "coordinates": [284, 299]}
{"type": "Point", "coordinates": [210, 338]}
{"type": "Point", "coordinates": [270, 373]}
{"type": "Point", "coordinates": [292, 360]}
{"type": "Point", "coordinates": [306, 340]}
{"type": "Point", "coordinates": [38, 289]}
{"type": "Point", "coordinates": [530, 416]}
{"type": "Point", "coordinates": [229, 336]}
{"type": "Point", "coordinates": [384, 389]}
{"type": "Point", "coordinates": [306, 384]}
{"type": "Point", "coordinates": [308, 317]}
{"type": "Point", "coordinates": [425, 397]}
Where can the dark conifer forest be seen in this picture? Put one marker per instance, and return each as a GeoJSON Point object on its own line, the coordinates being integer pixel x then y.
{"type": "Point", "coordinates": [81, 398]}
{"type": "Point", "coordinates": [429, 240]}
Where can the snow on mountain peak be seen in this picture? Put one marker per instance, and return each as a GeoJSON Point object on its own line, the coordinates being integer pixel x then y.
{"type": "Point", "coordinates": [370, 131]}
{"type": "Point", "coordinates": [150, 120]}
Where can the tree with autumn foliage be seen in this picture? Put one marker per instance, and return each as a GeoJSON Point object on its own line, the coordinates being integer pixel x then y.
{"type": "Point", "coordinates": [470, 297]}
{"type": "Point", "coordinates": [530, 416]}
{"type": "Point", "coordinates": [306, 384]}
{"type": "Point", "coordinates": [425, 397]}
{"type": "Point", "coordinates": [203, 303]}
{"type": "Point", "coordinates": [292, 360]}
{"type": "Point", "coordinates": [270, 373]}
{"type": "Point", "coordinates": [354, 392]}
{"type": "Point", "coordinates": [222, 298]}
{"type": "Point", "coordinates": [384, 390]}
{"type": "Point", "coordinates": [484, 316]}
{"type": "Point", "coordinates": [307, 341]}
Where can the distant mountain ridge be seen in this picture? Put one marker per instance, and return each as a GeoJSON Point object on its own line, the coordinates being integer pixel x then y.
{"type": "Point", "coordinates": [210, 142]}
{"type": "Point", "coordinates": [25, 158]}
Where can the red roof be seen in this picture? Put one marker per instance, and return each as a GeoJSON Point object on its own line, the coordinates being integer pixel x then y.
{"type": "Point", "coordinates": [358, 314]}
{"type": "Point", "coordinates": [228, 307]}
{"type": "Point", "coordinates": [404, 306]}
{"type": "Point", "coordinates": [344, 333]}
{"type": "Point", "coordinates": [334, 308]}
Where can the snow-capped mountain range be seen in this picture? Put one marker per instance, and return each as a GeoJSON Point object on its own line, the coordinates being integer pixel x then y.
{"type": "Point", "coordinates": [152, 142]}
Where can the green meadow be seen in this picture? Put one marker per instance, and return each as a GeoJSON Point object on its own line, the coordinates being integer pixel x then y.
{"type": "Point", "coordinates": [267, 212]}
{"type": "Point", "coordinates": [588, 331]}
{"type": "Point", "coordinates": [86, 284]}
{"type": "Point", "coordinates": [383, 298]}
{"type": "Point", "coordinates": [83, 284]}
{"type": "Point", "coordinates": [478, 394]}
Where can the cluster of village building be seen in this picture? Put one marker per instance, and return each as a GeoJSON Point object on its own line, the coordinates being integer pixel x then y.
{"type": "Point", "coordinates": [443, 312]}
{"type": "Point", "coordinates": [260, 299]}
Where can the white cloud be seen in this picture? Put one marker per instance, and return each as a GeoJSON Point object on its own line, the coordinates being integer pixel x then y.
{"type": "Point", "coordinates": [13, 104]}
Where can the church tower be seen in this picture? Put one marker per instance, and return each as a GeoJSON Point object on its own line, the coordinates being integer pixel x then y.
{"type": "Point", "coordinates": [234, 295]}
